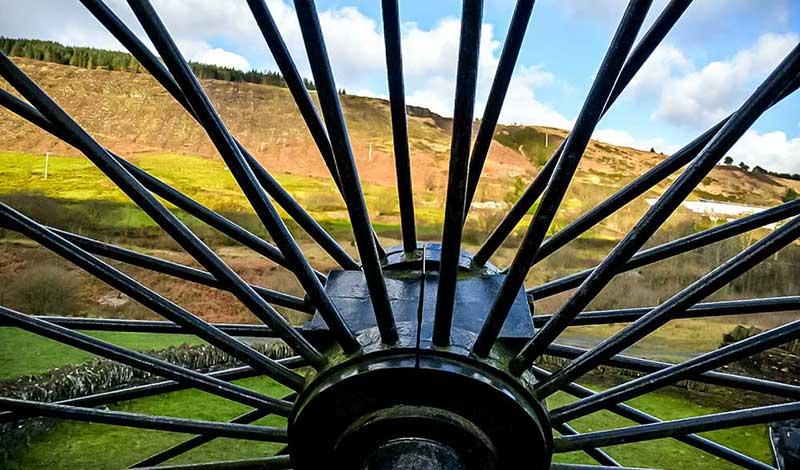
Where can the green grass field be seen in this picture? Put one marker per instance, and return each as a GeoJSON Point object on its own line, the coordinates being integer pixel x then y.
{"type": "Point", "coordinates": [73, 445]}
{"type": "Point", "coordinates": [75, 180]}
{"type": "Point", "coordinates": [81, 445]}
{"type": "Point", "coordinates": [84, 200]}
{"type": "Point", "coordinates": [23, 353]}
{"type": "Point", "coordinates": [668, 453]}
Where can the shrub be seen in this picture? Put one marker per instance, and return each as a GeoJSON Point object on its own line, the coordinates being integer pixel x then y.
{"type": "Point", "coordinates": [790, 195]}
{"type": "Point", "coordinates": [46, 290]}
{"type": "Point", "coordinates": [324, 202]}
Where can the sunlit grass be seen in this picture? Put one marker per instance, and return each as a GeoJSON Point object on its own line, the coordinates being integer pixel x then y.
{"type": "Point", "coordinates": [72, 445]}
{"type": "Point", "coordinates": [668, 453]}
{"type": "Point", "coordinates": [23, 353]}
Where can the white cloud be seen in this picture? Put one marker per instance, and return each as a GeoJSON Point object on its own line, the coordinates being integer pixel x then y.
{"type": "Point", "coordinates": [201, 51]}
{"type": "Point", "coordinates": [431, 73]}
{"type": "Point", "coordinates": [771, 150]}
{"type": "Point", "coordinates": [710, 17]}
{"type": "Point", "coordinates": [626, 139]}
{"type": "Point", "coordinates": [666, 62]}
{"type": "Point", "coordinates": [224, 33]}
{"type": "Point", "coordinates": [701, 97]}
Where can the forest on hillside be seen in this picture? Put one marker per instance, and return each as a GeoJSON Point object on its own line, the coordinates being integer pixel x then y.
{"type": "Point", "coordinates": [91, 58]}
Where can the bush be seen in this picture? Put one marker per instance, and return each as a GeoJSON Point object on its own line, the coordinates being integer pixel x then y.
{"type": "Point", "coordinates": [45, 290]}
{"type": "Point", "coordinates": [324, 202]}
{"type": "Point", "coordinates": [790, 195]}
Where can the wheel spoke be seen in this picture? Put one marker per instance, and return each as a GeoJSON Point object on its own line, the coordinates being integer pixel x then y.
{"type": "Point", "coordinates": [156, 186]}
{"type": "Point", "coordinates": [243, 173]}
{"type": "Point", "coordinates": [567, 165]}
{"type": "Point", "coordinates": [197, 441]}
{"type": "Point", "coordinates": [354, 197]}
{"type": "Point", "coordinates": [761, 100]}
{"type": "Point", "coordinates": [576, 466]}
{"type": "Point", "coordinates": [702, 310]}
{"type": "Point", "coordinates": [637, 187]}
{"type": "Point", "coordinates": [678, 247]}
{"type": "Point", "coordinates": [599, 455]}
{"type": "Point", "coordinates": [663, 24]}
{"type": "Point", "coordinates": [454, 212]}
{"type": "Point", "coordinates": [302, 98]}
{"type": "Point", "coordinates": [684, 299]}
{"type": "Point", "coordinates": [173, 269]}
{"type": "Point", "coordinates": [397, 101]}
{"type": "Point", "coordinates": [497, 96]}
{"type": "Point", "coordinates": [739, 382]}
{"type": "Point", "coordinates": [151, 63]}
{"type": "Point", "coordinates": [161, 423]}
{"type": "Point", "coordinates": [157, 211]}
{"type": "Point", "coordinates": [706, 362]}
{"type": "Point", "coordinates": [295, 84]}
{"type": "Point", "coordinates": [147, 297]}
{"type": "Point", "coordinates": [153, 327]}
{"type": "Point", "coordinates": [640, 417]}
{"type": "Point", "coordinates": [144, 362]}
{"type": "Point", "coordinates": [648, 432]}
{"type": "Point", "coordinates": [263, 463]}
{"type": "Point", "coordinates": [159, 388]}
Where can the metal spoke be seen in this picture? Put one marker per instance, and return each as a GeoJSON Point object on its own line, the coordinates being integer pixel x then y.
{"type": "Point", "coordinates": [159, 388]}
{"type": "Point", "coordinates": [147, 297]}
{"type": "Point", "coordinates": [170, 268]}
{"type": "Point", "coordinates": [197, 441]}
{"type": "Point", "coordinates": [454, 212]}
{"type": "Point", "coordinates": [345, 162]}
{"type": "Point", "coordinates": [497, 96]}
{"type": "Point", "coordinates": [263, 463]}
{"type": "Point", "coordinates": [574, 147]}
{"type": "Point", "coordinates": [578, 466]}
{"type": "Point", "coordinates": [739, 382]}
{"type": "Point", "coordinates": [149, 61]}
{"type": "Point", "coordinates": [648, 432]}
{"type": "Point", "coordinates": [397, 101]}
{"type": "Point", "coordinates": [153, 326]}
{"type": "Point", "coordinates": [678, 247]}
{"type": "Point", "coordinates": [663, 24]}
{"type": "Point", "coordinates": [301, 96]}
{"type": "Point", "coordinates": [161, 423]}
{"type": "Point", "coordinates": [637, 187]}
{"type": "Point", "coordinates": [686, 298]}
{"type": "Point", "coordinates": [709, 361]}
{"type": "Point", "coordinates": [761, 100]}
{"type": "Point", "coordinates": [144, 362]}
{"type": "Point", "coordinates": [702, 310]}
{"type": "Point", "coordinates": [295, 84]}
{"type": "Point", "coordinates": [156, 186]}
{"type": "Point", "coordinates": [243, 173]}
{"type": "Point", "coordinates": [640, 417]}
{"type": "Point", "coordinates": [157, 211]}
{"type": "Point", "coordinates": [599, 455]}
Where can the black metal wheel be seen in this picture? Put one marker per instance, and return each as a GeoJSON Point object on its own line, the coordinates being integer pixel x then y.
{"type": "Point", "coordinates": [421, 356]}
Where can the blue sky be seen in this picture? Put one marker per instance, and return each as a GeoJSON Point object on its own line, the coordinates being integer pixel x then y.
{"type": "Point", "coordinates": [712, 60]}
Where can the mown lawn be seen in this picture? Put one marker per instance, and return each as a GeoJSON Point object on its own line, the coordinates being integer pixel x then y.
{"type": "Point", "coordinates": [668, 453]}
{"type": "Point", "coordinates": [76, 184]}
{"type": "Point", "coordinates": [73, 445]}
{"type": "Point", "coordinates": [23, 353]}
{"type": "Point", "coordinates": [81, 445]}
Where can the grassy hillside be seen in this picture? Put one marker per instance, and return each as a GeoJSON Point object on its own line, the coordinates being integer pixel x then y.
{"type": "Point", "coordinates": [131, 114]}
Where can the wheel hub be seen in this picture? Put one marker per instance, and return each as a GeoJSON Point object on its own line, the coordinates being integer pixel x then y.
{"type": "Point", "coordinates": [406, 408]}
{"type": "Point", "coordinates": [414, 405]}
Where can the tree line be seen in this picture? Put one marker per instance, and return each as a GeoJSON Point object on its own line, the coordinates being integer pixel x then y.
{"type": "Point", "coordinates": [102, 59]}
